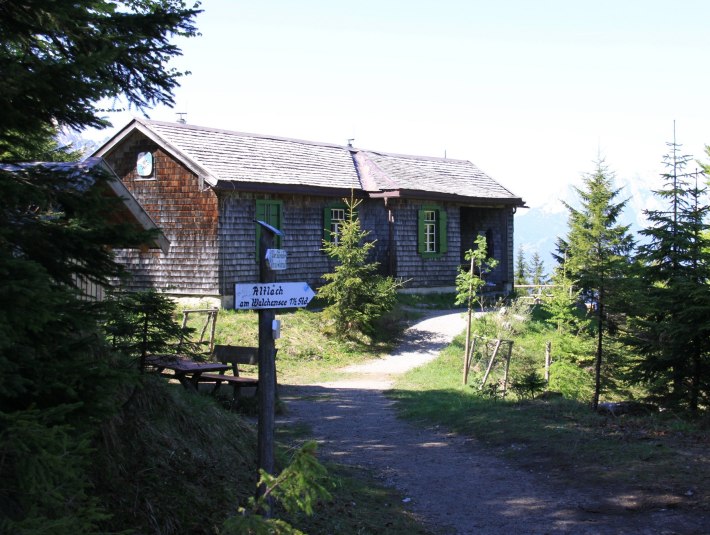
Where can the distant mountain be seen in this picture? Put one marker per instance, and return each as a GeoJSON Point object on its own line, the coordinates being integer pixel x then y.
{"type": "Point", "coordinates": [537, 228]}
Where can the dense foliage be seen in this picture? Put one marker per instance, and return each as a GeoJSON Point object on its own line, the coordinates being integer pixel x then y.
{"type": "Point", "coordinates": [57, 60]}
{"type": "Point", "coordinates": [670, 331]}
{"type": "Point", "coordinates": [595, 255]}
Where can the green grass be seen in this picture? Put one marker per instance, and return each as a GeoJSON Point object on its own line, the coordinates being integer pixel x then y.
{"type": "Point", "coordinates": [659, 455]}
{"type": "Point", "coordinates": [562, 438]}
{"type": "Point", "coordinates": [305, 353]}
{"type": "Point", "coordinates": [172, 462]}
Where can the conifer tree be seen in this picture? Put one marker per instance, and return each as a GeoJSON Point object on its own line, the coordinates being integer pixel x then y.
{"type": "Point", "coordinates": [57, 60]}
{"type": "Point", "coordinates": [356, 294]}
{"type": "Point", "coordinates": [597, 250]}
{"type": "Point", "coordinates": [670, 330]}
{"type": "Point", "coordinates": [537, 270]}
{"type": "Point", "coordinates": [522, 270]}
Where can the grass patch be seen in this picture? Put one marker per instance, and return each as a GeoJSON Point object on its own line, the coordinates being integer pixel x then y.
{"type": "Point", "coordinates": [305, 353]}
{"type": "Point", "coordinates": [656, 454]}
{"type": "Point", "coordinates": [360, 506]}
{"type": "Point", "coordinates": [173, 462]}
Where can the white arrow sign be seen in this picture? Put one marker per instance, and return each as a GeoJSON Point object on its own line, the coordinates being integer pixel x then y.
{"type": "Point", "coordinates": [251, 296]}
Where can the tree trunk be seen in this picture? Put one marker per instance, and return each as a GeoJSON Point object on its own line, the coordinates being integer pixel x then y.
{"type": "Point", "coordinates": [695, 381]}
{"type": "Point", "coordinates": [598, 359]}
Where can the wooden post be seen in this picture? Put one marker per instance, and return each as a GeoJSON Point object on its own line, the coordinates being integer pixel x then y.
{"type": "Point", "coordinates": [548, 351]}
{"type": "Point", "coordinates": [267, 367]}
{"type": "Point", "coordinates": [490, 364]}
{"type": "Point", "coordinates": [469, 357]}
{"type": "Point", "coordinates": [507, 367]}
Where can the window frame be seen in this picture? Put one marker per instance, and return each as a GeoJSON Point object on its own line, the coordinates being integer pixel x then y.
{"type": "Point", "coordinates": [424, 234]}
{"type": "Point", "coordinates": [328, 233]}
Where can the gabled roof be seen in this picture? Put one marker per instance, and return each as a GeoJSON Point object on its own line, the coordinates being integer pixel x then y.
{"type": "Point", "coordinates": [225, 159]}
{"type": "Point", "coordinates": [414, 175]}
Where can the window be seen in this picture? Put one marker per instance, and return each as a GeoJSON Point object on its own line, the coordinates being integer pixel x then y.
{"type": "Point", "coordinates": [269, 212]}
{"type": "Point", "coordinates": [333, 218]}
{"type": "Point", "coordinates": [432, 231]}
{"type": "Point", "coordinates": [429, 231]}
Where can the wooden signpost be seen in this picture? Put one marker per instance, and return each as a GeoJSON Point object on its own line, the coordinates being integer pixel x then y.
{"type": "Point", "coordinates": [266, 296]}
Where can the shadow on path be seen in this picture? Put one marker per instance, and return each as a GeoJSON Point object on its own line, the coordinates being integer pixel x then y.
{"type": "Point", "coordinates": [452, 483]}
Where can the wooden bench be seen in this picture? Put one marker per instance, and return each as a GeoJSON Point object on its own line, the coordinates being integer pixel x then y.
{"type": "Point", "coordinates": [233, 356]}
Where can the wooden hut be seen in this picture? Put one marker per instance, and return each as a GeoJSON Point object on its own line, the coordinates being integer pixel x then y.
{"type": "Point", "coordinates": [204, 187]}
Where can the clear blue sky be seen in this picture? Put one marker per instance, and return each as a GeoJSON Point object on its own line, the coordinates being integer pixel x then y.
{"type": "Point", "coordinates": [530, 91]}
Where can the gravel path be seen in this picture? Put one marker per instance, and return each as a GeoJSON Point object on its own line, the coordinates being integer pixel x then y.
{"type": "Point", "coordinates": [451, 483]}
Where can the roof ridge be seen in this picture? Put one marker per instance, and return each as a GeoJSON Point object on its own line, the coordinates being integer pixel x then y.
{"type": "Point", "coordinates": [418, 157]}
{"type": "Point", "coordinates": [186, 126]}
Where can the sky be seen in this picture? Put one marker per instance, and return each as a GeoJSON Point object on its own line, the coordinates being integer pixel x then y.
{"type": "Point", "coordinates": [532, 92]}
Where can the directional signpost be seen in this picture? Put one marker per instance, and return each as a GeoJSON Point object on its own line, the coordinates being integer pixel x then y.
{"type": "Point", "coordinates": [255, 296]}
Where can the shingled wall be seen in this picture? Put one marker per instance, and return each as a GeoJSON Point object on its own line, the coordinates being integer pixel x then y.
{"type": "Point", "coordinates": [184, 209]}
{"type": "Point", "coordinates": [464, 223]}
{"type": "Point", "coordinates": [303, 228]}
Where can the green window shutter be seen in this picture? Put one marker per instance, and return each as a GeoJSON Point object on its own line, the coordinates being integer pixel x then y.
{"type": "Point", "coordinates": [260, 215]}
{"type": "Point", "coordinates": [270, 212]}
{"type": "Point", "coordinates": [443, 241]}
{"type": "Point", "coordinates": [421, 236]}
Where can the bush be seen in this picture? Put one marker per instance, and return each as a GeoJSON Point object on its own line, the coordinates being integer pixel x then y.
{"type": "Point", "coordinates": [571, 380]}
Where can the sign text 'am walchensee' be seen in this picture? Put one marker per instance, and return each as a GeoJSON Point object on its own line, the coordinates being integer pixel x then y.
{"type": "Point", "coordinates": [251, 296]}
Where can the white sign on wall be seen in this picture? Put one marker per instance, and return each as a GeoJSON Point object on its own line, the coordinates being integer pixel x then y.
{"type": "Point", "coordinates": [276, 259]}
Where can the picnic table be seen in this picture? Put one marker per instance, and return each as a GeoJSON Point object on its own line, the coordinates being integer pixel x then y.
{"type": "Point", "coordinates": [187, 371]}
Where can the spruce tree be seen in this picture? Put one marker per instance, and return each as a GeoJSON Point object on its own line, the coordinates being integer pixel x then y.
{"type": "Point", "coordinates": [58, 59]}
{"type": "Point", "coordinates": [537, 270]}
{"type": "Point", "coordinates": [670, 330]}
{"type": "Point", "coordinates": [58, 377]}
{"type": "Point", "coordinates": [597, 250]}
{"type": "Point", "coordinates": [522, 270]}
{"type": "Point", "coordinates": [356, 294]}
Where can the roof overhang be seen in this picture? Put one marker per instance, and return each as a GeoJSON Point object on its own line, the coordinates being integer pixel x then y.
{"type": "Point", "coordinates": [133, 211]}
{"type": "Point", "coordinates": [491, 202]}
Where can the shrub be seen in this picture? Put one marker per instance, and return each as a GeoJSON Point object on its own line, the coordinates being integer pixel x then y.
{"type": "Point", "coordinates": [573, 381]}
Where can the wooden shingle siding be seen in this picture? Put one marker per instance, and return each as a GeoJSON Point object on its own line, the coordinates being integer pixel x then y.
{"type": "Point", "coordinates": [425, 272]}
{"type": "Point", "coordinates": [303, 227]}
{"type": "Point", "coordinates": [496, 225]}
{"type": "Point", "coordinates": [186, 212]}
{"type": "Point", "coordinates": [209, 183]}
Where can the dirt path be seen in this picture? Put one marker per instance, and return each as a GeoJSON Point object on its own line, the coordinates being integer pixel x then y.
{"type": "Point", "coordinates": [452, 483]}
